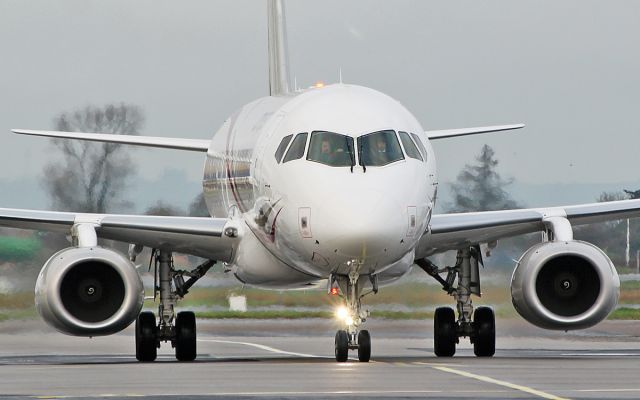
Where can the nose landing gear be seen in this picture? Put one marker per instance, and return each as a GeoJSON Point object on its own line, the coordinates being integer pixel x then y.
{"type": "Point", "coordinates": [447, 330]}
{"type": "Point", "coordinates": [352, 314]}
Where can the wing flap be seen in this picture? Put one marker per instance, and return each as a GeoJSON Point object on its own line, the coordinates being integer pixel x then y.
{"type": "Point", "coordinates": [148, 141]}
{"type": "Point", "coordinates": [449, 133]}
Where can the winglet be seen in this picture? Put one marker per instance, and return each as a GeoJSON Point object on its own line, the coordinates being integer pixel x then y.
{"type": "Point", "coordinates": [148, 141]}
{"type": "Point", "coordinates": [449, 133]}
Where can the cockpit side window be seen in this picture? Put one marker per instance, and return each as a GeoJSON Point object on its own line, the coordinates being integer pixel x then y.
{"type": "Point", "coordinates": [379, 148]}
{"type": "Point", "coordinates": [296, 150]}
{"type": "Point", "coordinates": [331, 149]}
{"type": "Point", "coordinates": [409, 147]}
{"type": "Point", "coordinates": [282, 147]}
{"type": "Point", "coordinates": [418, 141]}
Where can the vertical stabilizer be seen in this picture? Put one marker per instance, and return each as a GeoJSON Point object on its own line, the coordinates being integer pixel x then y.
{"type": "Point", "coordinates": [278, 52]}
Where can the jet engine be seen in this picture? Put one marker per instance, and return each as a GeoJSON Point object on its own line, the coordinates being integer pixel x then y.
{"type": "Point", "coordinates": [565, 285]}
{"type": "Point", "coordinates": [89, 291]}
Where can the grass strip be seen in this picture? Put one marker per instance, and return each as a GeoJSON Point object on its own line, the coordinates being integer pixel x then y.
{"type": "Point", "coordinates": [625, 313]}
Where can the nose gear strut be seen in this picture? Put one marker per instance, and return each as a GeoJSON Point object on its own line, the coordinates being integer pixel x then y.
{"type": "Point", "coordinates": [351, 290]}
{"type": "Point", "coordinates": [447, 329]}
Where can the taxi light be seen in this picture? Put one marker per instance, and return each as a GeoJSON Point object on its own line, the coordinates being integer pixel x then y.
{"type": "Point", "coordinates": [348, 321]}
{"type": "Point", "coordinates": [342, 313]}
{"type": "Point", "coordinates": [319, 85]}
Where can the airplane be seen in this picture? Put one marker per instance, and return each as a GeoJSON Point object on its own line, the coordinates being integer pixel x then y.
{"type": "Point", "coordinates": [330, 186]}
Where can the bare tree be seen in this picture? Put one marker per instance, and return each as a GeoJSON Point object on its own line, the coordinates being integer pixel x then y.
{"type": "Point", "coordinates": [91, 176]}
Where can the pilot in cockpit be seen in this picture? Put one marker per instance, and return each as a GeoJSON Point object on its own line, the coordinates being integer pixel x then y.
{"type": "Point", "coordinates": [327, 155]}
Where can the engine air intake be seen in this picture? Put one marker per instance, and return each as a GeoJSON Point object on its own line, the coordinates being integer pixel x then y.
{"type": "Point", "coordinates": [92, 291]}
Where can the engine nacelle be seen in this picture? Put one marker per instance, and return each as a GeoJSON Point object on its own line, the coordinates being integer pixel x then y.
{"type": "Point", "coordinates": [565, 285]}
{"type": "Point", "coordinates": [89, 291]}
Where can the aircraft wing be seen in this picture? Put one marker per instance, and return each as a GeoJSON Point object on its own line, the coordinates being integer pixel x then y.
{"type": "Point", "coordinates": [449, 133]}
{"type": "Point", "coordinates": [148, 141]}
{"type": "Point", "coordinates": [453, 231]}
{"type": "Point", "coordinates": [204, 237]}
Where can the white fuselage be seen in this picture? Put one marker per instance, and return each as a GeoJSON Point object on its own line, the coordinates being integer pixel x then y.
{"type": "Point", "coordinates": [304, 219]}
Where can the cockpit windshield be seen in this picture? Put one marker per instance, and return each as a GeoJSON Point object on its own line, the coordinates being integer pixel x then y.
{"type": "Point", "coordinates": [331, 149]}
{"type": "Point", "coordinates": [379, 148]}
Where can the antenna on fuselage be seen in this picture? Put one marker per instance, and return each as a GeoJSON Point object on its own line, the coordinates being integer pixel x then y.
{"type": "Point", "coordinates": [340, 75]}
{"type": "Point", "coordinates": [279, 80]}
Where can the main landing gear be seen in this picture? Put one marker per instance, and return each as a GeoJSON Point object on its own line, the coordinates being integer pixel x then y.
{"type": "Point", "coordinates": [352, 315]}
{"type": "Point", "coordinates": [180, 328]}
{"type": "Point", "coordinates": [447, 330]}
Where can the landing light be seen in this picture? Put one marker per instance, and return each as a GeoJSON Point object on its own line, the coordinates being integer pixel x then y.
{"type": "Point", "coordinates": [342, 313]}
{"type": "Point", "coordinates": [319, 85]}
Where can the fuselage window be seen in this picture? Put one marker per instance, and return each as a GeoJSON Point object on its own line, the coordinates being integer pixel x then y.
{"type": "Point", "coordinates": [379, 148]}
{"type": "Point", "coordinates": [331, 149]}
{"type": "Point", "coordinates": [409, 147]}
{"type": "Point", "coordinates": [296, 150]}
{"type": "Point", "coordinates": [282, 147]}
{"type": "Point", "coordinates": [420, 145]}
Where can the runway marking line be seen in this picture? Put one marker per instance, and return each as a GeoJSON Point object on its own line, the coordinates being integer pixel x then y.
{"type": "Point", "coordinates": [510, 385]}
{"type": "Point", "coordinates": [262, 347]}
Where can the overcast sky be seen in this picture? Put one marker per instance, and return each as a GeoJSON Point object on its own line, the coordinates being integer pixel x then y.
{"type": "Point", "coordinates": [568, 69]}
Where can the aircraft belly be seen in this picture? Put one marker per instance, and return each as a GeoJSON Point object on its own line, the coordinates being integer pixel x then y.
{"type": "Point", "coordinates": [258, 266]}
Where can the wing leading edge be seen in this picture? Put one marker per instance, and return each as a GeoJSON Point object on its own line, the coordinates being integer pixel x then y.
{"type": "Point", "coordinates": [449, 133]}
{"type": "Point", "coordinates": [148, 141]}
{"type": "Point", "coordinates": [453, 231]}
{"type": "Point", "coordinates": [204, 237]}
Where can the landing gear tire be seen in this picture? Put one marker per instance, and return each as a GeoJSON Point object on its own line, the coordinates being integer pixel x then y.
{"type": "Point", "coordinates": [364, 346]}
{"type": "Point", "coordinates": [342, 346]}
{"type": "Point", "coordinates": [186, 336]}
{"type": "Point", "coordinates": [146, 337]}
{"type": "Point", "coordinates": [444, 332]}
{"type": "Point", "coordinates": [484, 327]}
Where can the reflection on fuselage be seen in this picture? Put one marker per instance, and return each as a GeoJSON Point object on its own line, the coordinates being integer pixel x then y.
{"type": "Point", "coordinates": [349, 193]}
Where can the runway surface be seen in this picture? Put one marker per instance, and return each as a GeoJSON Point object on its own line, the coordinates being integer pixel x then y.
{"type": "Point", "coordinates": [283, 359]}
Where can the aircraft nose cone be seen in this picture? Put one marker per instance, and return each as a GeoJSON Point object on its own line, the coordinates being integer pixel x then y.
{"type": "Point", "coordinates": [365, 226]}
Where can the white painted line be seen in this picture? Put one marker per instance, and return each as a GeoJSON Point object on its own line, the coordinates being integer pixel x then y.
{"type": "Point", "coordinates": [487, 379]}
{"type": "Point", "coordinates": [272, 349]}
{"type": "Point", "coordinates": [263, 347]}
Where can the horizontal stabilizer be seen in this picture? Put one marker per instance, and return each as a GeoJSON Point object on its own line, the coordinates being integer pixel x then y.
{"type": "Point", "coordinates": [449, 133]}
{"type": "Point", "coordinates": [148, 141]}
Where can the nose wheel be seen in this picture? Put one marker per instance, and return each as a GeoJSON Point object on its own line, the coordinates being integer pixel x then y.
{"type": "Point", "coordinates": [344, 342]}
{"type": "Point", "coordinates": [342, 346]}
{"type": "Point", "coordinates": [364, 346]}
